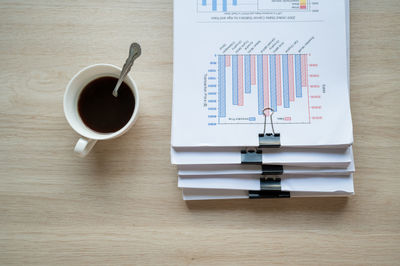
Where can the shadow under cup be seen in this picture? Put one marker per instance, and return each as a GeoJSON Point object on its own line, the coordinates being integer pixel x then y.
{"type": "Point", "coordinates": [83, 80]}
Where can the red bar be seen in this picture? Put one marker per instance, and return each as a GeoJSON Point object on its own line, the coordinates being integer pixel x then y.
{"type": "Point", "coordinates": [278, 80]}
{"type": "Point", "coordinates": [291, 78]}
{"type": "Point", "coordinates": [266, 83]}
{"type": "Point", "coordinates": [253, 69]}
{"type": "Point", "coordinates": [228, 60]}
{"type": "Point", "coordinates": [303, 70]}
{"type": "Point", "coordinates": [240, 81]}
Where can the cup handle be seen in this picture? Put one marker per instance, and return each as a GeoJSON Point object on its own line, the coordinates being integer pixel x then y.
{"type": "Point", "coordinates": [83, 146]}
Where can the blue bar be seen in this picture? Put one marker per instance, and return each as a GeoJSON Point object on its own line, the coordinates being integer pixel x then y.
{"type": "Point", "coordinates": [297, 67]}
{"type": "Point", "coordinates": [285, 77]}
{"type": "Point", "coordinates": [212, 70]}
{"type": "Point", "coordinates": [260, 84]}
{"type": "Point", "coordinates": [272, 81]}
{"type": "Point", "coordinates": [212, 116]}
{"type": "Point", "coordinates": [212, 109]}
{"type": "Point", "coordinates": [234, 2]}
{"type": "Point", "coordinates": [212, 124]}
{"type": "Point", "coordinates": [221, 87]}
{"type": "Point", "coordinates": [212, 78]}
{"type": "Point", "coordinates": [224, 5]}
{"type": "Point", "coordinates": [212, 101]}
{"type": "Point", "coordinates": [235, 89]}
{"type": "Point", "coordinates": [252, 118]}
{"type": "Point", "coordinates": [247, 74]}
{"type": "Point", "coordinates": [214, 5]}
{"type": "Point", "coordinates": [213, 63]}
{"type": "Point", "coordinates": [204, 3]}
{"type": "Point", "coordinates": [212, 93]}
{"type": "Point", "coordinates": [212, 86]}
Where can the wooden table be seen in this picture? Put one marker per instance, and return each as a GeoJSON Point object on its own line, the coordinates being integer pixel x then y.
{"type": "Point", "coordinates": [121, 204]}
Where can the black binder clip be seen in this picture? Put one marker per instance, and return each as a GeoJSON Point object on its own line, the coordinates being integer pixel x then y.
{"type": "Point", "coordinates": [271, 169]}
{"type": "Point", "coordinates": [251, 156]}
{"type": "Point", "coordinates": [269, 140]}
{"type": "Point", "coordinates": [268, 194]}
{"type": "Point", "coordinates": [266, 140]}
{"type": "Point", "coordinates": [269, 188]}
{"type": "Point", "coordinates": [270, 184]}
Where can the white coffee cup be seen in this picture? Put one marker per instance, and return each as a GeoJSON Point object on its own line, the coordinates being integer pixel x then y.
{"type": "Point", "coordinates": [71, 96]}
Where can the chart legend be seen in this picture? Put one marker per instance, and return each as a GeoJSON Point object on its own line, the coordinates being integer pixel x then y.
{"type": "Point", "coordinates": [252, 5]}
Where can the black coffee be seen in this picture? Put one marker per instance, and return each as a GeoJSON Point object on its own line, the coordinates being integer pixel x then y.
{"type": "Point", "coordinates": [103, 112]}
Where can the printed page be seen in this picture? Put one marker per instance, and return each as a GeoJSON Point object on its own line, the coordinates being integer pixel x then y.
{"type": "Point", "coordinates": [190, 170]}
{"type": "Point", "coordinates": [233, 59]}
{"type": "Point", "coordinates": [334, 158]}
{"type": "Point", "coordinates": [220, 194]}
{"type": "Point", "coordinates": [226, 169]}
{"type": "Point", "coordinates": [288, 183]}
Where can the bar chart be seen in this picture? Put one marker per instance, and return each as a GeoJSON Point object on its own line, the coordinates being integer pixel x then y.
{"type": "Point", "coordinates": [241, 86]}
{"type": "Point", "coordinates": [252, 5]}
{"type": "Point", "coordinates": [226, 5]}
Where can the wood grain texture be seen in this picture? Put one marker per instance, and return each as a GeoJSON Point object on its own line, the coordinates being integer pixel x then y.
{"type": "Point", "coordinates": [120, 205]}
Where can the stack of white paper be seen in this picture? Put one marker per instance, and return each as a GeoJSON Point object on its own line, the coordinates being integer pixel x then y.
{"type": "Point", "coordinates": [240, 63]}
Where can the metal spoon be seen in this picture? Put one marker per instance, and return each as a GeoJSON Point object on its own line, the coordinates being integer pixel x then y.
{"type": "Point", "coordinates": [134, 52]}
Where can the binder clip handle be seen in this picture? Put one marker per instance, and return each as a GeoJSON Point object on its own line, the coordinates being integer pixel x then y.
{"type": "Point", "coordinates": [270, 117]}
{"type": "Point", "coordinates": [269, 140]}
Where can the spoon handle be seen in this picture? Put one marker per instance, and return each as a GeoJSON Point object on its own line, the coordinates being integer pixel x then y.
{"type": "Point", "coordinates": [134, 52]}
